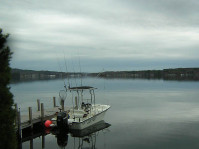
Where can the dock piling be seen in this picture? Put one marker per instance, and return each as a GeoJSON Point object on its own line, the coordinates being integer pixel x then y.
{"type": "Point", "coordinates": [38, 104]}
{"type": "Point", "coordinates": [42, 112]}
{"type": "Point", "coordinates": [43, 141]}
{"type": "Point", "coordinates": [19, 124]}
{"type": "Point", "coordinates": [16, 118]}
{"type": "Point", "coordinates": [30, 117]}
{"type": "Point", "coordinates": [54, 101]}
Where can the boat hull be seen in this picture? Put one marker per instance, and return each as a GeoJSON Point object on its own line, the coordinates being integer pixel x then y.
{"type": "Point", "coordinates": [88, 122]}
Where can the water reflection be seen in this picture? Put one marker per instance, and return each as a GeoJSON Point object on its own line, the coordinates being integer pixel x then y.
{"type": "Point", "coordinates": [62, 139]}
{"type": "Point", "coordinates": [82, 138]}
{"type": "Point", "coordinates": [85, 138]}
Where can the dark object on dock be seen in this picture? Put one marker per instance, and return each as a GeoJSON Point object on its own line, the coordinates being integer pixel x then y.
{"type": "Point", "coordinates": [62, 120]}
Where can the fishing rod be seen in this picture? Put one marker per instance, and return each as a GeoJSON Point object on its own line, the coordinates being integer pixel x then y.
{"type": "Point", "coordinates": [62, 93]}
{"type": "Point", "coordinates": [100, 73]}
{"type": "Point", "coordinates": [66, 71]}
{"type": "Point", "coordinates": [60, 70]}
{"type": "Point", "coordinates": [74, 72]}
{"type": "Point", "coordinates": [80, 70]}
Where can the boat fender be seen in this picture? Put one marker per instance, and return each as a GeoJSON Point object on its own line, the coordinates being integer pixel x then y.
{"type": "Point", "coordinates": [47, 123]}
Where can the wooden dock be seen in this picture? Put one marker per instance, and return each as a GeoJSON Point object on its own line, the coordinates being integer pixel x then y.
{"type": "Point", "coordinates": [37, 117]}
{"type": "Point", "coordinates": [40, 116]}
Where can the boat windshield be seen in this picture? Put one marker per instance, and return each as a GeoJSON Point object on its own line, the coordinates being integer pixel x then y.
{"type": "Point", "coordinates": [80, 98]}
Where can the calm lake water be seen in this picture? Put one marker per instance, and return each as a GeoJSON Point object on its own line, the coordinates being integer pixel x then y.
{"type": "Point", "coordinates": [144, 113]}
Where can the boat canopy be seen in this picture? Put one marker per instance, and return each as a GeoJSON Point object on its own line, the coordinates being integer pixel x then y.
{"type": "Point", "coordinates": [82, 88]}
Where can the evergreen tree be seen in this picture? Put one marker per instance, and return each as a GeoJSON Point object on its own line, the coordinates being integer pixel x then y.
{"type": "Point", "coordinates": [7, 113]}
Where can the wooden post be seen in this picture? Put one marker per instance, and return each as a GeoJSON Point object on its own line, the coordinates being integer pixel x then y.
{"type": "Point", "coordinates": [43, 141]}
{"type": "Point", "coordinates": [31, 140]}
{"type": "Point", "coordinates": [54, 101]}
{"type": "Point", "coordinates": [16, 118]}
{"type": "Point", "coordinates": [38, 104]}
{"type": "Point", "coordinates": [30, 117]}
{"type": "Point", "coordinates": [31, 143]}
{"type": "Point", "coordinates": [42, 112]}
{"type": "Point", "coordinates": [19, 124]}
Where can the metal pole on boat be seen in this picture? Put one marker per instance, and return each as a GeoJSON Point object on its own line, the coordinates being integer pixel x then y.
{"type": "Point", "coordinates": [94, 96]}
{"type": "Point", "coordinates": [82, 95]}
{"type": "Point", "coordinates": [78, 100]}
{"type": "Point", "coordinates": [62, 105]}
{"type": "Point", "coordinates": [76, 106]}
{"type": "Point", "coordinates": [91, 96]}
{"type": "Point", "coordinates": [91, 102]}
{"type": "Point", "coordinates": [73, 101]}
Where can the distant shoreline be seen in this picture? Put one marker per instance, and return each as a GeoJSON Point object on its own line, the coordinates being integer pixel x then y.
{"type": "Point", "coordinates": [166, 74]}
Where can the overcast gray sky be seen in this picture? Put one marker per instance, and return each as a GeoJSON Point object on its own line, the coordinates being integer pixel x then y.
{"type": "Point", "coordinates": [102, 34]}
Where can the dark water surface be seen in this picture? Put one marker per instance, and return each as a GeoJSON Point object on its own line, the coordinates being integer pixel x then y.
{"type": "Point", "coordinates": [143, 114]}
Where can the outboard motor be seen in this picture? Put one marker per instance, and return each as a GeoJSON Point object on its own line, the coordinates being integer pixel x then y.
{"type": "Point", "coordinates": [62, 120]}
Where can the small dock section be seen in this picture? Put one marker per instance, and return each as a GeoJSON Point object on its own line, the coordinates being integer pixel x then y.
{"type": "Point", "coordinates": [40, 116]}
{"type": "Point", "coordinates": [36, 117]}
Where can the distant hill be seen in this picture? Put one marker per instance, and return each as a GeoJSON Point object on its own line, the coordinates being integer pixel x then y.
{"type": "Point", "coordinates": [166, 74]}
{"type": "Point", "coordinates": [20, 74]}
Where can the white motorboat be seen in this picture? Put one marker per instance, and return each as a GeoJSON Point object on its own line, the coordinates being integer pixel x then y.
{"type": "Point", "coordinates": [85, 112]}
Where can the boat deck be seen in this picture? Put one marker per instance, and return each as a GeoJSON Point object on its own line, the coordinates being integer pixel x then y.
{"type": "Point", "coordinates": [81, 115]}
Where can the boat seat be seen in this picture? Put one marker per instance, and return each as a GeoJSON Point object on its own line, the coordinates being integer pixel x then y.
{"type": "Point", "coordinates": [79, 111]}
{"type": "Point", "coordinates": [77, 115]}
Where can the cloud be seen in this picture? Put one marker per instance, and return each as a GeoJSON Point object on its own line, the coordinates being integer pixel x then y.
{"type": "Point", "coordinates": [103, 30]}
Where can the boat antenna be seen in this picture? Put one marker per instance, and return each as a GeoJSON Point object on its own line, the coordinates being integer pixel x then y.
{"type": "Point", "coordinates": [60, 70]}
{"type": "Point", "coordinates": [74, 73]}
{"type": "Point", "coordinates": [100, 73]}
{"type": "Point", "coordinates": [66, 71]}
{"type": "Point", "coordinates": [62, 97]}
{"type": "Point", "coordinates": [80, 70]}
